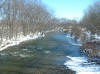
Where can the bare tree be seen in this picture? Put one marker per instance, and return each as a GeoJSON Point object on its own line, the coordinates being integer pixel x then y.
{"type": "Point", "coordinates": [22, 16]}
{"type": "Point", "coordinates": [91, 19]}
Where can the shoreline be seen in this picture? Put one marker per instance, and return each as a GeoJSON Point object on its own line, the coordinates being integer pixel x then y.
{"type": "Point", "coordinates": [8, 43]}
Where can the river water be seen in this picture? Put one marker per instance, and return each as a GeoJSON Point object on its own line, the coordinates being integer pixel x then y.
{"type": "Point", "coordinates": [56, 53]}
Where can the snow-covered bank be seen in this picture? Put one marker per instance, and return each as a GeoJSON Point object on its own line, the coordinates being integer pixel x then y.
{"type": "Point", "coordinates": [72, 40]}
{"type": "Point", "coordinates": [15, 41]}
{"type": "Point", "coordinates": [91, 37]}
{"type": "Point", "coordinates": [81, 65]}
{"type": "Point", "coordinates": [7, 43]}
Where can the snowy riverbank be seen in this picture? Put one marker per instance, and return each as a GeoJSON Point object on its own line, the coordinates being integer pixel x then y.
{"type": "Point", "coordinates": [80, 64]}
{"type": "Point", "coordinates": [7, 43]}
{"type": "Point", "coordinates": [16, 41]}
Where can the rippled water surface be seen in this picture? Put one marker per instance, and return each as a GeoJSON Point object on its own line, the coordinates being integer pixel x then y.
{"type": "Point", "coordinates": [56, 53]}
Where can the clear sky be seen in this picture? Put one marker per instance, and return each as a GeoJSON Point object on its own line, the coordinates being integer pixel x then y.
{"type": "Point", "coordinates": [71, 9]}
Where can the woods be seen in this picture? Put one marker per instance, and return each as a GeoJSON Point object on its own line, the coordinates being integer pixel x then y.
{"type": "Point", "coordinates": [91, 18]}
{"type": "Point", "coordinates": [22, 17]}
{"type": "Point", "coordinates": [25, 17]}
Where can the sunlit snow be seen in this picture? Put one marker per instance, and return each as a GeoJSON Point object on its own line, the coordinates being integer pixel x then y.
{"type": "Point", "coordinates": [6, 43]}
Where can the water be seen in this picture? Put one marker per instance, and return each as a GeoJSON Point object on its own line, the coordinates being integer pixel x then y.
{"type": "Point", "coordinates": [56, 53]}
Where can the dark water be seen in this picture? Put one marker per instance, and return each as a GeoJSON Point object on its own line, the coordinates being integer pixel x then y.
{"type": "Point", "coordinates": [41, 56]}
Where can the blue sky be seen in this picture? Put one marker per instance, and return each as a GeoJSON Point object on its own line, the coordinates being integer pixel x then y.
{"type": "Point", "coordinates": [71, 9]}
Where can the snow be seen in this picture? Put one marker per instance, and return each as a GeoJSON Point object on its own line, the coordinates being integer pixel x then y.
{"type": "Point", "coordinates": [89, 35]}
{"type": "Point", "coordinates": [7, 43]}
{"type": "Point", "coordinates": [16, 41]}
{"type": "Point", "coordinates": [69, 36]}
{"type": "Point", "coordinates": [97, 36]}
{"type": "Point", "coordinates": [78, 43]}
{"type": "Point", "coordinates": [82, 66]}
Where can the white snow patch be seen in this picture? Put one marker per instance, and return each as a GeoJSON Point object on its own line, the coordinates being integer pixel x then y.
{"type": "Point", "coordinates": [88, 33]}
{"type": "Point", "coordinates": [77, 44]}
{"type": "Point", "coordinates": [7, 43]}
{"type": "Point", "coordinates": [70, 36]}
{"type": "Point", "coordinates": [74, 43]}
{"type": "Point", "coordinates": [82, 66]}
{"type": "Point", "coordinates": [97, 36]}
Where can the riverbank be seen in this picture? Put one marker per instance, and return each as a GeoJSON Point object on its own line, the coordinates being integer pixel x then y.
{"type": "Point", "coordinates": [21, 38]}
{"type": "Point", "coordinates": [8, 43]}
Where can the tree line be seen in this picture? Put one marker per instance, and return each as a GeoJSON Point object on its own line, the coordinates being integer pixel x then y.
{"type": "Point", "coordinates": [90, 23]}
{"type": "Point", "coordinates": [25, 17]}
{"type": "Point", "coordinates": [30, 16]}
{"type": "Point", "coordinates": [22, 16]}
{"type": "Point", "coordinates": [91, 18]}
